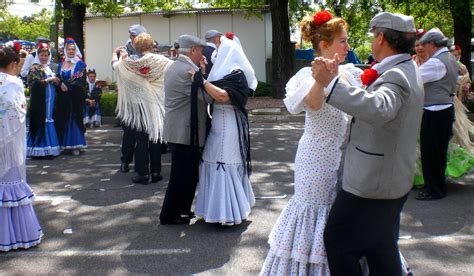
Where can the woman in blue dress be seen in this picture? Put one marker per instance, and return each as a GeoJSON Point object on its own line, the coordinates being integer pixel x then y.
{"type": "Point", "coordinates": [42, 81]}
{"type": "Point", "coordinates": [71, 97]}
{"type": "Point", "coordinates": [92, 114]}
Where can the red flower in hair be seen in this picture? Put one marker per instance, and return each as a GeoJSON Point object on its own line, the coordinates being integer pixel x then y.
{"type": "Point", "coordinates": [229, 35]}
{"type": "Point", "coordinates": [321, 17]}
{"type": "Point", "coordinates": [144, 70]}
{"type": "Point", "coordinates": [369, 76]}
{"type": "Point", "coordinates": [17, 46]}
{"type": "Point", "coordinates": [43, 45]}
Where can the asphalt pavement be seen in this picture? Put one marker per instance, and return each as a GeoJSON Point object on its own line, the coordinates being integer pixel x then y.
{"type": "Point", "coordinates": [97, 222]}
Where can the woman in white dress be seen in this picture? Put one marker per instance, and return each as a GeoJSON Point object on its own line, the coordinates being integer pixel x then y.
{"type": "Point", "coordinates": [19, 226]}
{"type": "Point", "coordinates": [296, 241]}
{"type": "Point", "coordinates": [225, 193]}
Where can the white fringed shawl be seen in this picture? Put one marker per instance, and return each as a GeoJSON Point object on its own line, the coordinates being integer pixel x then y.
{"type": "Point", "coordinates": [12, 125]}
{"type": "Point", "coordinates": [140, 103]}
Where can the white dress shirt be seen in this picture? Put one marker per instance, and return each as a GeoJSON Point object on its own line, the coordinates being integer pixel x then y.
{"type": "Point", "coordinates": [27, 65]}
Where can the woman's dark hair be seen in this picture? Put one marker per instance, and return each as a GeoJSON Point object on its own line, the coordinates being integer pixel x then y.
{"type": "Point", "coordinates": [7, 56]}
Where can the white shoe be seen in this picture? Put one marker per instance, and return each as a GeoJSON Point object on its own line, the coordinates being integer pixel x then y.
{"type": "Point", "coordinates": [76, 152]}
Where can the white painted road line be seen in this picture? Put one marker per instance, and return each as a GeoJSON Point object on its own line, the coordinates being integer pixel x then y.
{"type": "Point", "coordinates": [97, 253]}
{"type": "Point", "coordinates": [440, 239]}
{"type": "Point", "coordinates": [118, 165]}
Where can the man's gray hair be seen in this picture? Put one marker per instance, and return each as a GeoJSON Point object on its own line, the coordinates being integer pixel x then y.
{"type": "Point", "coordinates": [185, 51]}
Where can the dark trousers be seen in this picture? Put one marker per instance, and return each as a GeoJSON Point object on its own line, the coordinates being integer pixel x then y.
{"type": "Point", "coordinates": [358, 227]}
{"type": "Point", "coordinates": [128, 144]}
{"type": "Point", "coordinates": [436, 131]}
{"type": "Point", "coordinates": [184, 177]}
{"type": "Point", "coordinates": [147, 155]}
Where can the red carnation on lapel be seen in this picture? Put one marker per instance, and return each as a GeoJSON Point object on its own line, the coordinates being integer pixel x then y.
{"type": "Point", "coordinates": [369, 76]}
{"type": "Point", "coordinates": [229, 35]}
{"type": "Point", "coordinates": [322, 17]}
{"type": "Point", "coordinates": [145, 70]}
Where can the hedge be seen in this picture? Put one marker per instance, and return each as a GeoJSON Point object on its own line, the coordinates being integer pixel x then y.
{"type": "Point", "coordinates": [108, 101]}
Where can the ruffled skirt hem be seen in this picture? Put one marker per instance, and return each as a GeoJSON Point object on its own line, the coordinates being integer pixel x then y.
{"type": "Point", "coordinates": [19, 227]}
{"type": "Point", "coordinates": [275, 265]}
{"type": "Point", "coordinates": [16, 193]}
{"type": "Point", "coordinates": [43, 151]}
{"type": "Point", "coordinates": [298, 233]}
{"type": "Point", "coordinates": [225, 193]}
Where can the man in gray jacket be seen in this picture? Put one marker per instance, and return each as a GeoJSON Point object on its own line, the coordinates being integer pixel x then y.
{"type": "Point", "coordinates": [184, 129]}
{"type": "Point", "coordinates": [380, 156]}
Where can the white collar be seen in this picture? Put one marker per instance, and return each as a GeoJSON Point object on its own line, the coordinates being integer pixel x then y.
{"type": "Point", "coordinates": [386, 60]}
{"type": "Point", "coordinates": [440, 51]}
{"type": "Point", "coordinates": [211, 44]}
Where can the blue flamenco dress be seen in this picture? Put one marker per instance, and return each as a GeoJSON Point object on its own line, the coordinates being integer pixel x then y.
{"type": "Point", "coordinates": [69, 119]}
{"type": "Point", "coordinates": [42, 138]}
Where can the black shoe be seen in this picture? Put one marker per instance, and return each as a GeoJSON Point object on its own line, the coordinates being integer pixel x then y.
{"type": "Point", "coordinates": [155, 177]}
{"type": "Point", "coordinates": [188, 214]}
{"type": "Point", "coordinates": [179, 220]}
{"type": "Point", "coordinates": [427, 196]}
{"type": "Point", "coordinates": [141, 179]}
{"type": "Point", "coordinates": [124, 168]}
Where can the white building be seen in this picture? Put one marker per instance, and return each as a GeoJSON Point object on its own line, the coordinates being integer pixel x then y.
{"type": "Point", "coordinates": [28, 7]}
{"type": "Point", "coordinates": [102, 35]}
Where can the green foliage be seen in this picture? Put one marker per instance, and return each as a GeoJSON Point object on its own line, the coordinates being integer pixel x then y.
{"type": "Point", "coordinates": [108, 101]}
{"type": "Point", "coordinates": [28, 27]}
{"type": "Point", "coordinates": [263, 89]}
{"type": "Point", "coordinates": [428, 14]}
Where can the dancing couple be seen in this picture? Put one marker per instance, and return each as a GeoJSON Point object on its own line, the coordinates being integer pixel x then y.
{"type": "Point", "coordinates": [353, 231]}
{"type": "Point", "coordinates": [222, 168]}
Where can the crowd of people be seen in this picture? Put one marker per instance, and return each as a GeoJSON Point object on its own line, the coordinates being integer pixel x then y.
{"type": "Point", "coordinates": [355, 164]}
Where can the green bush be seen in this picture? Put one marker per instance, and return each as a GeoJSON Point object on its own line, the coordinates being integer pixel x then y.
{"type": "Point", "coordinates": [108, 101]}
{"type": "Point", "coordinates": [263, 89]}
{"type": "Point", "coordinates": [27, 91]}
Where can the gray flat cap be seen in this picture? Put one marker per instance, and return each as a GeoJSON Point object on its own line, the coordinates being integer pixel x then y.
{"type": "Point", "coordinates": [188, 41]}
{"type": "Point", "coordinates": [136, 29]}
{"type": "Point", "coordinates": [394, 21]}
{"type": "Point", "coordinates": [212, 33]}
{"type": "Point", "coordinates": [436, 36]}
{"type": "Point", "coordinates": [42, 39]}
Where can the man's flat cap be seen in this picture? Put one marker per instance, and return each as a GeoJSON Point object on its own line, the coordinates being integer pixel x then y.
{"type": "Point", "coordinates": [434, 35]}
{"type": "Point", "coordinates": [136, 29]}
{"type": "Point", "coordinates": [43, 39]}
{"type": "Point", "coordinates": [394, 21]}
{"type": "Point", "coordinates": [188, 41]}
{"type": "Point", "coordinates": [212, 33]}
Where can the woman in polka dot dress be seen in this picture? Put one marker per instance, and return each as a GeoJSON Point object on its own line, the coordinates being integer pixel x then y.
{"type": "Point", "coordinates": [296, 241]}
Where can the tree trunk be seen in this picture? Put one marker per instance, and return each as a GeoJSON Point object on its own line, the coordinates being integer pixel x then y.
{"type": "Point", "coordinates": [74, 22]}
{"type": "Point", "coordinates": [462, 18]}
{"type": "Point", "coordinates": [282, 53]}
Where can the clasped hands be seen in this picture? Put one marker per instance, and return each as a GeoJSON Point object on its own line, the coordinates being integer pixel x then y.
{"type": "Point", "coordinates": [197, 76]}
{"type": "Point", "coordinates": [324, 70]}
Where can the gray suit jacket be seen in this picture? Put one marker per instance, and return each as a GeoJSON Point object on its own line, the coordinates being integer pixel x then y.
{"type": "Point", "coordinates": [177, 121]}
{"type": "Point", "coordinates": [380, 156]}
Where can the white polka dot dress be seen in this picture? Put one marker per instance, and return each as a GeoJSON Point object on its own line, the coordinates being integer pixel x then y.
{"type": "Point", "coordinates": [296, 241]}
